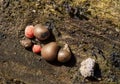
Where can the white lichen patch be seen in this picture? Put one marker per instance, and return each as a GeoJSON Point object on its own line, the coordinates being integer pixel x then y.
{"type": "Point", "coordinates": [87, 67]}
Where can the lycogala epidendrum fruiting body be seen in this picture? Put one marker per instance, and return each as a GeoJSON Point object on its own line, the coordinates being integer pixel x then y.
{"type": "Point", "coordinates": [36, 48]}
{"type": "Point", "coordinates": [29, 31]}
{"type": "Point", "coordinates": [41, 32]}
{"type": "Point", "coordinates": [64, 54]}
{"type": "Point", "coordinates": [49, 51]}
{"type": "Point", "coordinates": [26, 43]}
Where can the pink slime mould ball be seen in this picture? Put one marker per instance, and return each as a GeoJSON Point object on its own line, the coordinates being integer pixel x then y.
{"type": "Point", "coordinates": [36, 48]}
{"type": "Point", "coordinates": [29, 31]}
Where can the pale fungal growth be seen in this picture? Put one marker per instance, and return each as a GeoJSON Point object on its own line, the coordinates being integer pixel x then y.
{"type": "Point", "coordinates": [87, 67]}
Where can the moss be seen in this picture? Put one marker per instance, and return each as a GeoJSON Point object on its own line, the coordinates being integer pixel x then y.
{"type": "Point", "coordinates": [106, 9]}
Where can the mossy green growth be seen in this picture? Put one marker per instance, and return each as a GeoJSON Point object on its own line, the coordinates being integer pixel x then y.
{"type": "Point", "coordinates": [105, 9]}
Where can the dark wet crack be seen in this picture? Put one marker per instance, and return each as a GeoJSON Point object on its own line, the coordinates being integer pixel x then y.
{"type": "Point", "coordinates": [2, 36]}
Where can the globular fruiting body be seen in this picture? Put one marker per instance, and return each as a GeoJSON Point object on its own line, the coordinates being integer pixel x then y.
{"type": "Point", "coordinates": [29, 31]}
{"type": "Point", "coordinates": [41, 32]}
{"type": "Point", "coordinates": [36, 48]}
{"type": "Point", "coordinates": [27, 43]}
{"type": "Point", "coordinates": [49, 51]}
{"type": "Point", "coordinates": [64, 54]}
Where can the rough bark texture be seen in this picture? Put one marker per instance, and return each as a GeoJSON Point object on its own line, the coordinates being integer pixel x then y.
{"type": "Point", "coordinates": [73, 22]}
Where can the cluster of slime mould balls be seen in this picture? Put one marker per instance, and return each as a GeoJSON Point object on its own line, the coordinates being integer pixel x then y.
{"type": "Point", "coordinates": [50, 51]}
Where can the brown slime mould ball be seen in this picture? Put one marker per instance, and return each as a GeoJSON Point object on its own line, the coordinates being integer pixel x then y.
{"type": "Point", "coordinates": [64, 54]}
{"type": "Point", "coordinates": [41, 32]}
{"type": "Point", "coordinates": [49, 51]}
{"type": "Point", "coordinates": [27, 43]}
